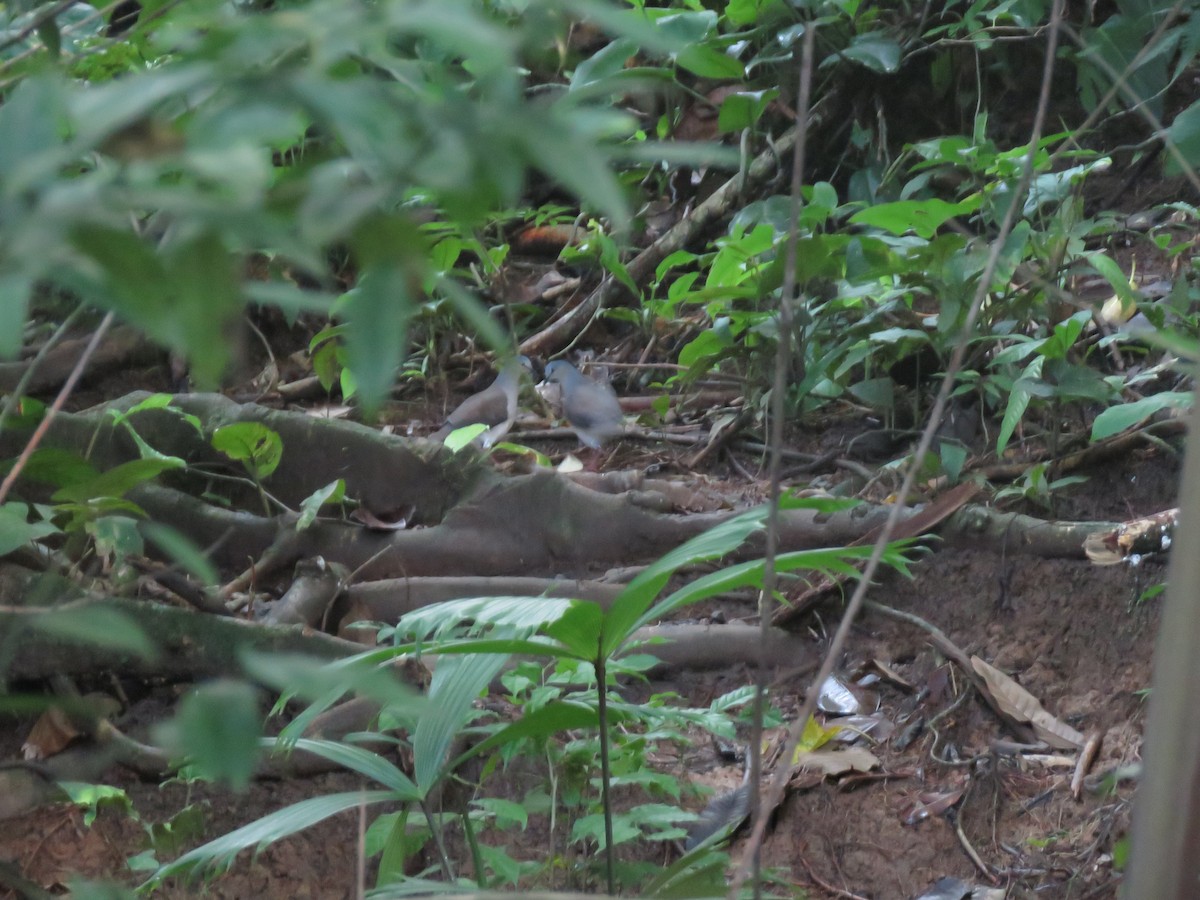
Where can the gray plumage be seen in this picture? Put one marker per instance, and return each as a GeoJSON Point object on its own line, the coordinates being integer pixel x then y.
{"type": "Point", "coordinates": [590, 407]}
{"type": "Point", "coordinates": [494, 406]}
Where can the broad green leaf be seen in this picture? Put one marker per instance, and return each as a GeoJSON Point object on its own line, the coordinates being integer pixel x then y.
{"type": "Point", "coordinates": [1018, 402]}
{"type": "Point", "coordinates": [461, 438]}
{"type": "Point", "coordinates": [924, 217]}
{"type": "Point", "coordinates": [218, 856]}
{"type": "Point", "coordinates": [456, 684]}
{"type": "Point", "coordinates": [744, 109]}
{"type": "Point", "coordinates": [1117, 279]}
{"type": "Point", "coordinates": [182, 551]}
{"type": "Point", "coordinates": [253, 444]}
{"type": "Point", "coordinates": [357, 759]}
{"type": "Point", "coordinates": [377, 317]}
{"type": "Point", "coordinates": [1116, 419]}
{"type": "Point", "coordinates": [310, 506]}
{"type": "Point", "coordinates": [16, 530]}
{"type": "Point", "coordinates": [875, 51]}
{"type": "Point", "coordinates": [579, 629]}
{"type": "Point", "coordinates": [1184, 134]}
{"type": "Point", "coordinates": [29, 121]}
{"type": "Point", "coordinates": [95, 623]}
{"type": "Point", "coordinates": [630, 606]}
{"type": "Point", "coordinates": [118, 481]}
{"type": "Point", "coordinates": [91, 797]}
{"type": "Point", "coordinates": [218, 727]}
{"type": "Point", "coordinates": [702, 60]}
{"type": "Point", "coordinates": [116, 536]}
{"type": "Point", "coordinates": [505, 813]}
{"type": "Point", "coordinates": [15, 288]}
{"type": "Point", "coordinates": [688, 28]}
{"type": "Point", "coordinates": [603, 64]}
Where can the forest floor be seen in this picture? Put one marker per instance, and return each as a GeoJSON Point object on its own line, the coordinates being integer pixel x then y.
{"type": "Point", "coordinates": [1076, 636]}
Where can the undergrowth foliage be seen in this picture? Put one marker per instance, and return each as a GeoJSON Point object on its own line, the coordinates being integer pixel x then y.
{"type": "Point", "coordinates": [370, 162]}
{"type": "Point", "coordinates": [569, 713]}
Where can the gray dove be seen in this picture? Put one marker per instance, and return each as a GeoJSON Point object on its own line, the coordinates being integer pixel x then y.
{"type": "Point", "coordinates": [494, 406]}
{"type": "Point", "coordinates": [590, 407]}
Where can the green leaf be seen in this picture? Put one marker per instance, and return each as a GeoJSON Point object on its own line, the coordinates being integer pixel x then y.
{"type": "Point", "coordinates": [31, 148]}
{"type": "Point", "coordinates": [96, 624]}
{"type": "Point", "coordinates": [461, 438]}
{"type": "Point", "coordinates": [1184, 134]}
{"type": "Point", "coordinates": [16, 530]}
{"type": "Point", "coordinates": [441, 619]}
{"type": "Point", "coordinates": [91, 797]}
{"type": "Point", "coordinates": [1018, 402]}
{"type": "Point", "coordinates": [118, 481]}
{"type": "Point", "coordinates": [631, 604]}
{"type": "Point", "coordinates": [706, 62]}
{"type": "Point", "coordinates": [182, 551]}
{"type": "Point", "coordinates": [357, 759]}
{"type": "Point", "coordinates": [116, 536]}
{"type": "Point", "coordinates": [377, 315]}
{"type": "Point", "coordinates": [456, 684]}
{"type": "Point", "coordinates": [556, 717]}
{"type": "Point", "coordinates": [875, 51]}
{"type": "Point", "coordinates": [603, 64]}
{"type": "Point", "coordinates": [15, 289]}
{"type": "Point", "coordinates": [218, 726]}
{"type": "Point", "coordinates": [310, 506]}
{"type": "Point", "coordinates": [744, 109]}
{"type": "Point", "coordinates": [1116, 419]}
{"type": "Point", "coordinates": [1116, 278]}
{"type": "Point", "coordinates": [219, 855]}
{"type": "Point", "coordinates": [326, 682]}
{"type": "Point", "coordinates": [253, 444]}
{"type": "Point", "coordinates": [924, 217]}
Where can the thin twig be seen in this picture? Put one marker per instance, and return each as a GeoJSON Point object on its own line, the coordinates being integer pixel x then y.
{"type": "Point", "coordinates": [55, 407]}
{"type": "Point", "coordinates": [11, 401]}
{"type": "Point", "coordinates": [783, 352]}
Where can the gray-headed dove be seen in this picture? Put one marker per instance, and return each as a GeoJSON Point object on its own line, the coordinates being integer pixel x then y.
{"type": "Point", "coordinates": [590, 407]}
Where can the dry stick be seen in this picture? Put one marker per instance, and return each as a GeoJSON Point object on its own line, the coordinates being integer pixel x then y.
{"type": "Point", "coordinates": [783, 348]}
{"type": "Point", "coordinates": [779, 783]}
{"type": "Point", "coordinates": [55, 407]}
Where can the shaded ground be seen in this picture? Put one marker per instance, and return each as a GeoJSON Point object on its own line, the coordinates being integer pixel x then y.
{"type": "Point", "coordinates": [1073, 634]}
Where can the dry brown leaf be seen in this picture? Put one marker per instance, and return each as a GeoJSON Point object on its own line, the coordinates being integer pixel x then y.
{"type": "Point", "coordinates": [49, 735]}
{"type": "Point", "coordinates": [837, 762]}
{"type": "Point", "coordinates": [1021, 705]}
